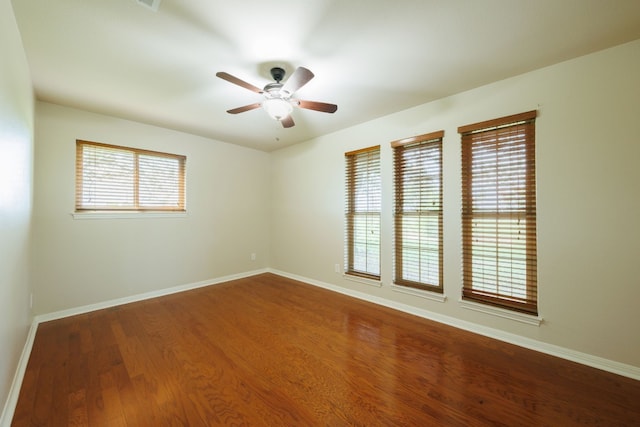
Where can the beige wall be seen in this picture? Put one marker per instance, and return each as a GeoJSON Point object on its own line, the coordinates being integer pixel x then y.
{"type": "Point", "coordinates": [78, 262]}
{"type": "Point", "coordinates": [588, 183]}
{"type": "Point", "coordinates": [16, 158]}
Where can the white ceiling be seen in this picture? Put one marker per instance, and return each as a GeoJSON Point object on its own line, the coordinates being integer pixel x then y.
{"type": "Point", "coordinates": [371, 57]}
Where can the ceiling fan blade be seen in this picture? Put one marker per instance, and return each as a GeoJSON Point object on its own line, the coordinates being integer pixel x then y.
{"type": "Point", "coordinates": [317, 106]}
{"type": "Point", "coordinates": [232, 79]}
{"type": "Point", "coordinates": [244, 108]}
{"type": "Point", "coordinates": [299, 78]}
{"type": "Point", "coordinates": [287, 122]}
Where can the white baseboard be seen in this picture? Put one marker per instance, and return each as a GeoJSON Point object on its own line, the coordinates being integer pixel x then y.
{"type": "Point", "coordinates": [144, 296]}
{"type": "Point", "coordinates": [612, 366]}
{"type": "Point", "coordinates": [16, 384]}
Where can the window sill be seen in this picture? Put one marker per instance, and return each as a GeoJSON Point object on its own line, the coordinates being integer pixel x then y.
{"type": "Point", "coordinates": [364, 280]}
{"type": "Point", "coordinates": [127, 215]}
{"type": "Point", "coordinates": [529, 319]}
{"type": "Point", "coordinates": [433, 296]}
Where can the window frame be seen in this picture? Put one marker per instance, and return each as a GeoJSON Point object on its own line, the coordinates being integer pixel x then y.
{"type": "Point", "coordinates": [418, 147]}
{"type": "Point", "coordinates": [521, 196]}
{"type": "Point", "coordinates": [353, 175]}
{"type": "Point", "coordinates": [137, 206]}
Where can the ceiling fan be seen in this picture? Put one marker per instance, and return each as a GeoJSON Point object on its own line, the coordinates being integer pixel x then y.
{"type": "Point", "coordinates": [278, 101]}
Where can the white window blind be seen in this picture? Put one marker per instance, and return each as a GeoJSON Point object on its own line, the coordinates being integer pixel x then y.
{"type": "Point", "coordinates": [499, 212]}
{"type": "Point", "coordinates": [418, 212]}
{"type": "Point", "coordinates": [363, 205]}
{"type": "Point", "coordinates": [113, 178]}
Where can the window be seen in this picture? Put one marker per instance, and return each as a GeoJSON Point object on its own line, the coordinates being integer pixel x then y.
{"type": "Point", "coordinates": [418, 212]}
{"type": "Point", "coordinates": [111, 178]}
{"type": "Point", "coordinates": [499, 212]}
{"type": "Point", "coordinates": [363, 203]}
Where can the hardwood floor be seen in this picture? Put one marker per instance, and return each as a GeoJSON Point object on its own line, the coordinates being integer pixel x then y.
{"type": "Point", "coordinates": [269, 351]}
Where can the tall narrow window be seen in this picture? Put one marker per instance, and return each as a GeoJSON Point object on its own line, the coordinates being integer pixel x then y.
{"type": "Point", "coordinates": [112, 178]}
{"type": "Point", "coordinates": [363, 204]}
{"type": "Point", "coordinates": [418, 212]}
{"type": "Point", "coordinates": [499, 212]}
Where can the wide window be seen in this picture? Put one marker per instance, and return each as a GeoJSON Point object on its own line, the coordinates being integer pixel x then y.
{"type": "Point", "coordinates": [363, 204]}
{"type": "Point", "coordinates": [418, 212]}
{"type": "Point", "coordinates": [112, 178]}
{"type": "Point", "coordinates": [499, 212]}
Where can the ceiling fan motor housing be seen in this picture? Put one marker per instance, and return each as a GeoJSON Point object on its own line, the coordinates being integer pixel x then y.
{"type": "Point", "coordinates": [277, 73]}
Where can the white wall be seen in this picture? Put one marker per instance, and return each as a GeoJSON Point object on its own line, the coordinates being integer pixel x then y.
{"type": "Point", "coordinates": [588, 178]}
{"type": "Point", "coordinates": [16, 158]}
{"type": "Point", "coordinates": [79, 262]}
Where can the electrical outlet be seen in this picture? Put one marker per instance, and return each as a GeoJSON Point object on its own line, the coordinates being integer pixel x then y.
{"type": "Point", "coordinates": [253, 257]}
{"type": "Point", "coordinates": [336, 268]}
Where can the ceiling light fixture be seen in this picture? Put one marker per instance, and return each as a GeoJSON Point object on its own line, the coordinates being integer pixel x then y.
{"type": "Point", "coordinates": [277, 108]}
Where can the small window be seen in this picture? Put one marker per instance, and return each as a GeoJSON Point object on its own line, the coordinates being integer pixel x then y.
{"type": "Point", "coordinates": [363, 205]}
{"type": "Point", "coordinates": [418, 212]}
{"type": "Point", "coordinates": [112, 178]}
{"type": "Point", "coordinates": [499, 260]}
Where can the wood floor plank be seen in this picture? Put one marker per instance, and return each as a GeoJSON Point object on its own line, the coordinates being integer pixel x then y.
{"type": "Point", "coordinates": [78, 409]}
{"type": "Point", "coordinates": [270, 351]}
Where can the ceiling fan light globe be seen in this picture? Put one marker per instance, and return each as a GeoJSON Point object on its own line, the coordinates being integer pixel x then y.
{"type": "Point", "coordinates": [277, 108]}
